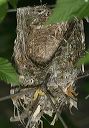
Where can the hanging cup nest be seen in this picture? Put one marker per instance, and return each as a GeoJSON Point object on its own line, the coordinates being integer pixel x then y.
{"type": "Point", "coordinates": [45, 56]}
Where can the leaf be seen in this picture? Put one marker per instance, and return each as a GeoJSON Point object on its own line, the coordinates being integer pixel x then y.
{"type": "Point", "coordinates": [68, 9]}
{"type": "Point", "coordinates": [13, 3]}
{"type": "Point", "coordinates": [3, 9]}
{"type": "Point", "coordinates": [38, 93]}
{"type": "Point", "coordinates": [7, 72]}
{"type": "Point", "coordinates": [83, 60]}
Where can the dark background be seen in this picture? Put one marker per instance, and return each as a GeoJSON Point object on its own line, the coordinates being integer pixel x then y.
{"type": "Point", "coordinates": [80, 117]}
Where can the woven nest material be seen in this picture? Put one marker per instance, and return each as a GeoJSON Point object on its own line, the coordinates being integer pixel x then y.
{"type": "Point", "coordinates": [45, 57]}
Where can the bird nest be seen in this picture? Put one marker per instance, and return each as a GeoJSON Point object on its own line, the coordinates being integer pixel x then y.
{"type": "Point", "coordinates": [45, 56]}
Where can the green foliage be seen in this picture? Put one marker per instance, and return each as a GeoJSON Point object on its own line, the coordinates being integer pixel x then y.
{"type": "Point", "coordinates": [7, 72]}
{"type": "Point", "coordinates": [83, 60]}
{"type": "Point", "coordinates": [3, 9]}
{"type": "Point", "coordinates": [13, 3]}
{"type": "Point", "coordinates": [68, 9]}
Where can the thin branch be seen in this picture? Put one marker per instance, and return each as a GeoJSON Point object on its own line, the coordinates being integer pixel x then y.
{"type": "Point", "coordinates": [15, 10]}
{"type": "Point", "coordinates": [25, 91]}
{"type": "Point", "coordinates": [83, 76]}
{"type": "Point", "coordinates": [14, 95]}
{"type": "Point", "coordinates": [32, 87]}
{"type": "Point", "coordinates": [12, 10]}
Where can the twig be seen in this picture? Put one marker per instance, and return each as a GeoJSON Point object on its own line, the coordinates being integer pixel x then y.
{"type": "Point", "coordinates": [32, 87]}
{"type": "Point", "coordinates": [14, 95]}
{"type": "Point", "coordinates": [22, 87]}
{"type": "Point", "coordinates": [83, 76]}
{"type": "Point", "coordinates": [15, 10]}
{"type": "Point", "coordinates": [12, 10]}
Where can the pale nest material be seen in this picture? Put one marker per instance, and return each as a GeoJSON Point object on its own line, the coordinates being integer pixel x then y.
{"type": "Point", "coordinates": [45, 57]}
